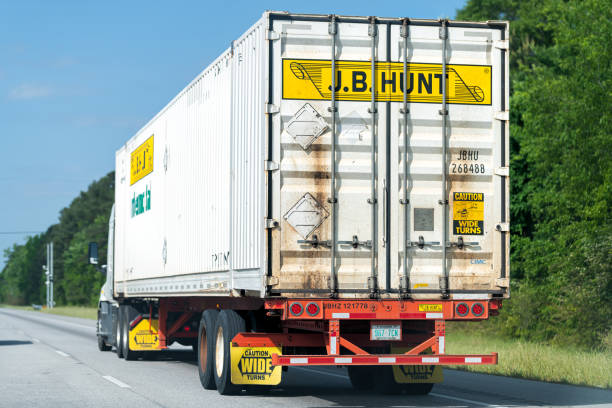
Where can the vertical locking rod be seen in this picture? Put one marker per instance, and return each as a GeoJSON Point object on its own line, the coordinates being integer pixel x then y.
{"type": "Point", "coordinates": [373, 281]}
{"type": "Point", "coordinates": [333, 280]}
{"type": "Point", "coordinates": [405, 280]}
{"type": "Point", "coordinates": [444, 201]}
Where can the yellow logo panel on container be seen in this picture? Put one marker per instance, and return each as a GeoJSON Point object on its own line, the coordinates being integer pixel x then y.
{"type": "Point", "coordinates": [253, 365]}
{"type": "Point", "coordinates": [141, 161]}
{"type": "Point", "coordinates": [311, 79]}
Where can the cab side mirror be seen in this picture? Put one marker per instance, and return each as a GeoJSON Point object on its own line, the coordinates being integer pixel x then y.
{"type": "Point", "coordinates": [93, 253]}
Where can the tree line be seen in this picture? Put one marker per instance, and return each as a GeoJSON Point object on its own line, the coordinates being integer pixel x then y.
{"type": "Point", "coordinates": [561, 183]}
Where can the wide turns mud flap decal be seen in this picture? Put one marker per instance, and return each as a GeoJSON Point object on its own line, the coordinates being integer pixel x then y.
{"type": "Point", "coordinates": [253, 365]}
{"type": "Point", "coordinates": [144, 336]}
{"type": "Point", "coordinates": [415, 373]}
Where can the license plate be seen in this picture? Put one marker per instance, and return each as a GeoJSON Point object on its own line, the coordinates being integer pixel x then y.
{"type": "Point", "coordinates": [385, 332]}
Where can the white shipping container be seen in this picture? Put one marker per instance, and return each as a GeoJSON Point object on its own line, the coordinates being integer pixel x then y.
{"type": "Point", "coordinates": [253, 181]}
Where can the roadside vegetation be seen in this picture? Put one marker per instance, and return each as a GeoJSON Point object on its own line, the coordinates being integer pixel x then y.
{"type": "Point", "coordinates": [561, 224]}
{"type": "Point", "coordinates": [72, 311]}
{"type": "Point", "coordinates": [533, 360]}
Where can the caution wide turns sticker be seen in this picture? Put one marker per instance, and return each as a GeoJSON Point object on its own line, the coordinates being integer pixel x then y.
{"type": "Point", "coordinates": [311, 79]}
{"type": "Point", "coordinates": [253, 365]}
{"type": "Point", "coordinates": [468, 213]}
{"type": "Point", "coordinates": [407, 374]}
{"type": "Point", "coordinates": [144, 335]}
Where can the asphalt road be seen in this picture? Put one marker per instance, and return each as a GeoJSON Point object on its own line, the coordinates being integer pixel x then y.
{"type": "Point", "coordinates": [53, 361]}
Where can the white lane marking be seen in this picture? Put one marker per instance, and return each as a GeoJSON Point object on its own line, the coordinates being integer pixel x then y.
{"type": "Point", "coordinates": [482, 404]}
{"type": "Point", "coordinates": [435, 394]}
{"type": "Point", "coordinates": [115, 381]}
{"type": "Point", "coordinates": [35, 340]}
{"type": "Point", "coordinates": [321, 372]}
{"type": "Point", "coordinates": [61, 353]}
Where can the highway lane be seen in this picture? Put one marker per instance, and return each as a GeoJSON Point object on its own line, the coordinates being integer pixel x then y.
{"type": "Point", "coordinates": [49, 361]}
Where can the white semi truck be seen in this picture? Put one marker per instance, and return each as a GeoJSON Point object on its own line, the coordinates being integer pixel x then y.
{"type": "Point", "coordinates": [329, 191]}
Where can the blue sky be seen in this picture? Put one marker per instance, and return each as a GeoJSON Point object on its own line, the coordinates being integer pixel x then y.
{"type": "Point", "coordinates": [79, 78]}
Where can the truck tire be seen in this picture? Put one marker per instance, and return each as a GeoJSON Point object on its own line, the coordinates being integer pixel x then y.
{"type": "Point", "coordinates": [363, 378]}
{"type": "Point", "coordinates": [229, 323]}
{"type": "Point", "coordinates": [119, 332]}
{"type": "Point", "coordinates": [385, 381]}
{"type": "Point", "coordinates": [102, 346]}
{"type": "Point", "coordinates": [418, 388]}
{"type": "Point", "coordinates": [205, 349]}
{"type": "Point", "coordinates": [128, 315]}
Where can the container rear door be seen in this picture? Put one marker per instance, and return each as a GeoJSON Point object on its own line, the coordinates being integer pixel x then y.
{"type": "Point", "coordinates": [350, 239]}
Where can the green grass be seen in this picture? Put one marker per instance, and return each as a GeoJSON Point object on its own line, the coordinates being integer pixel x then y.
{"type": "Point", "coordinates": [72, 311]}
{"type": "Point", "coordinates": [533, 360]}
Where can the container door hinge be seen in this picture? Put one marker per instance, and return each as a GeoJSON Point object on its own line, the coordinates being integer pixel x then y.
{"type": "Point", "coordinates": [270, 165]}
{"type": "Point", "coordinates": [271, 280]}
{"type": "Point", "coordinates": [271, 108]}
{"type": "Point", "coordinates": [502, 227]}
{"type": "Point", "coordinates": [272, 35]}
{"type": "Point", "coordinates": [271, 223]}
{"type": "Point", "coordinates": [502, 115]}
{"type": "Point", "coordinates": [501, 44]}
{"type": "Point", "coordinates": [502, 282]}
{"type": "Point", "coordinates": [502, 171]}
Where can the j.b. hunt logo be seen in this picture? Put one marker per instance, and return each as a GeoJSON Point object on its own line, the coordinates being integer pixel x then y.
{"type": "Point", "coordinates": [311, 79]}
{"type": "Point", "coordinates": [256, 365]}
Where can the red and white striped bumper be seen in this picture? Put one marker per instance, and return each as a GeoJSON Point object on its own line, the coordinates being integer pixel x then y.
{"type": "Point", "coordinates": [388, 359]}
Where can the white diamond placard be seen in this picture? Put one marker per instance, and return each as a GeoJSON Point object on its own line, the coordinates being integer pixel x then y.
{"type": "Point", "coordinates": [306, 215]}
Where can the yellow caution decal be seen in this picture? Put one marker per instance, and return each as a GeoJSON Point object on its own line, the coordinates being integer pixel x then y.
{"type": "Point", "coordinates": [144, 336]}
{"type": "Point", "coordinates": [141, 161]}
{"type": "Point", "coordinates": [430, 308]}
{"type": "Point", "coordinates": [311, 79]}
{"type": "Point", "coordinates": [417, 373]}
{"type": "Point", "coordinates": [253, 365]}
{"type": "Point", "coordinates": [468, 213]}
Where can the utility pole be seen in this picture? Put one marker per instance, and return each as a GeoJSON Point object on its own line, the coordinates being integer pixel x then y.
{"type": "Point", "coordinates": [52, 303]}
{"type": "Point", "coordinates": [48, 269]}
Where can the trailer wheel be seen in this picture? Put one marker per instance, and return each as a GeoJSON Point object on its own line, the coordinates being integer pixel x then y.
{"type": "Point", "coordinates": [229, 323]}
{"type": "Point", "coordinates": [385, 381]}
{"type": "Point", "coordinates": [418, 388]}
{"type": "Point", "coordinates": [119, 332]}
{"type": "Point", "coordinates": [205, 349]}
{"type": "Point", "coordinates": [362, 377]}
{"type": "Point", "coordinates": [128, 315]}
{"type": "Point", "coordinates": [102, 346]}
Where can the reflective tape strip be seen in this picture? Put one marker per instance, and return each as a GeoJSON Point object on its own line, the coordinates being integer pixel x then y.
{"type": "Point", "coordinates": [470, 296]}
{"type": "Point", "coordinates": [298, 361]}
{"type": "Point", "coordinates": [430, 360]}
{"type": "Point", "coordinates": [343, 360]}
{"type": "Point", "coordinates": [473, 360]}
{"type": "Point", "coordinates": [340, 316]}
{"type": "Point", "coordinates": [332, 344]}
{"type": "Point", "coordinates": [441, 345]}
{"type": "Point", "coordinates": [434, 315]}
{"type": "Point", "coordinates": [386, 359]}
